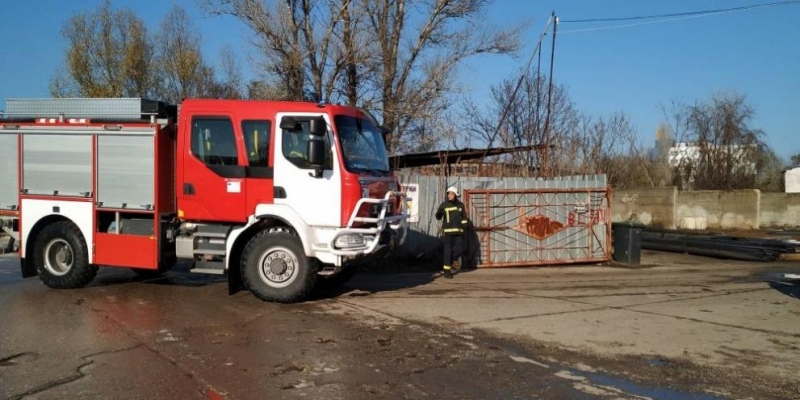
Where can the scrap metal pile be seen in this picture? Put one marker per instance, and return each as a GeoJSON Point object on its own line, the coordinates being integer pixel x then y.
{"type": "Point", "coordinates": [723, 246]}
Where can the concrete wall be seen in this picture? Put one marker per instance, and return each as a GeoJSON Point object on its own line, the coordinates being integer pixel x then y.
{"type": "Point", "coordinates": [780, 210]}
{"type": "Point", "coordinates": [710, 209]}
{"type": "Point", "coordinates": [713, 209]}
{"type": "Point", "coordinates": [650, 206]}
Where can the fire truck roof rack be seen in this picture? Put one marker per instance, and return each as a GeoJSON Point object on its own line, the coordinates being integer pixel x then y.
{"type": "Point", "coordinates": [101, 108]}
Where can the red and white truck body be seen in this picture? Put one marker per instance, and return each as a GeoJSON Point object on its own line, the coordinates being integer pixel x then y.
{"type": "Point", "coordinates": [278, 195]}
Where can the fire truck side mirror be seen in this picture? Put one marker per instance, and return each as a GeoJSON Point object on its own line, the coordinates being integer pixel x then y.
{"type": "Point", "coordinates": [318, 127]}
{"type": "Point", "coordinates": [288, 124]}
{"type": "Point", "coordinates": [316, 152]}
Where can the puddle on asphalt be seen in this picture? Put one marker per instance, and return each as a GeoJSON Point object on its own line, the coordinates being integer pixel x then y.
{"type": "Point", "coordinates": [657, 362]}
{"type": "Point", "coordinates": [639, 390]}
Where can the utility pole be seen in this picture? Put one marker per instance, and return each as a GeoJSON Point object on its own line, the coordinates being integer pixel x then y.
{"type": "Point", "coordinates": [545, 166]}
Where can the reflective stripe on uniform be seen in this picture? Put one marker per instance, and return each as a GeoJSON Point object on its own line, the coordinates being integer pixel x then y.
{"type": "Point", "coordinates": [446, 267]}
{"type": "Point", "coordinates": [447, 211]}
{"type": "Point", "coordinates": [453, 230]}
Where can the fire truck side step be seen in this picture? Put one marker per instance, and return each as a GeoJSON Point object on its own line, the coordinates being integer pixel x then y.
{"type": "Point", "coordinates": [210, 248]}
{"type": "Point", "coordinates": [209, 267]}
{"type": "Point", "coordinates": [210, 252]}
{"type": "Point", "coordinates": [212, 231]}
{"type": "Point", "coordinates": [208, 271]}
{"type": "Point", "coordinates": [209, 234]}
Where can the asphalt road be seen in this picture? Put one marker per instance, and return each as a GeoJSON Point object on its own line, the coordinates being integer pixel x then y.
{"type": "Point", "coordinates": [685, 328]}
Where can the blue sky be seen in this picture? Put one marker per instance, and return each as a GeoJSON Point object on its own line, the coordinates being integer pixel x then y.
{"type": "Point", "coordinates": [631, 69]}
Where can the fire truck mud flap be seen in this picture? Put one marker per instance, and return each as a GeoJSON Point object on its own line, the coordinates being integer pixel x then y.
{"type": "Point", "coordinates": [27, 268]}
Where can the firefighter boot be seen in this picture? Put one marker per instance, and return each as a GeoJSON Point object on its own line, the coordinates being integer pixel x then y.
{"type": "Point", "coordinates": [448, 274]}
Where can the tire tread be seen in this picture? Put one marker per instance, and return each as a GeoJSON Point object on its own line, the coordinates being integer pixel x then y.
{"type": "Point", "coordinates": [81, 272]}
{"type": "Point", "coordinates": [298, 290]}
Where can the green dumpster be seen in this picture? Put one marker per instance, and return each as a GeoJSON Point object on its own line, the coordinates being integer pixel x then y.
{"type": "Point", "coordinates": [626, 238]}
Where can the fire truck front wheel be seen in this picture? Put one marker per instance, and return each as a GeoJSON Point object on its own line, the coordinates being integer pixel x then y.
{"type": "Point", "coordinates": [275, 268]}
{"type": "Point", "coordinates": [61, 257]}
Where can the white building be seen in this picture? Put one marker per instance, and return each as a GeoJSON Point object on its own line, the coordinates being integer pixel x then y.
{"type": "Point", "coordinates": [682, 153]}
{"type": "Point", "coordinates": [791, 178]}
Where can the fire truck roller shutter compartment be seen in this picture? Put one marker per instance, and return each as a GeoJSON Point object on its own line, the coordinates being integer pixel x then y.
{"type": "Point", "coordinates": [125, 170]}
{"type": "Point", "coordinates": [9, 160]}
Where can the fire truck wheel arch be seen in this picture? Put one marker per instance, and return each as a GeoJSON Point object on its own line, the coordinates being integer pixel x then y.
{"type": "Point", "coordinates": [288, 216]}
{"type": "Point", "coordinates": [45, 211]}
{"type": "Point", "coordinates": [307, 236]}
{"type": "Point", "coordinates": [274, 267]}
{"type": "Point", "coordinates": [61, 256]}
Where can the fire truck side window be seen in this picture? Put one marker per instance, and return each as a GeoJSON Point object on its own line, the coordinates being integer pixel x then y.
{"type": "Point", "coordinates": [295, 146]}
{"type": "Point", "coordinates": [213, 141]}
{"type": "Point", "coordinates": [256, 139]}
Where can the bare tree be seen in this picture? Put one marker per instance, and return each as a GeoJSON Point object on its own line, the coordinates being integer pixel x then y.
{"type": "Point", "coordinates": [417, 64]}
{"type": "Point", "coordinates": [524, 123]}
{"type": "Point", "coordinates": [721, 150]}
{"type": "Point", "coordinates": [297, 39]}
{"type": "Point", "coordinates": [794, 161]}
{"type": "Point", "coordinates": [182, 71]}
{"type": "Point", "coordinates": [228, 84]}
{"type": "Point", "coordinates": [265, 90]}
{"type": "Point", "coordinates": [109, 54]}
{"type": "Point", "coordinates": [770, 167]}
{"type": "Point", "coordinates": [609, 145]}
{"type": "Point", "coordinates": [655, 162]}
{"type": "Point", "coordinates": [369, 53]}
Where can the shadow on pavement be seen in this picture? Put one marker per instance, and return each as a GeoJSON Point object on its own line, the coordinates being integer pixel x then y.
{"type": "Point", "coordinates": [791, 289]}
{"type": "Point", "coordinates": [392, 274]}
{"type": "Point", "coordinates": [178, 276]}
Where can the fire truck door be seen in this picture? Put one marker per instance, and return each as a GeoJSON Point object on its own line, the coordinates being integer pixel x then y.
{"type": "Point", "coordinates": [214, 174]}
{"type": "Point", "coordinates": [259, 181]}
{"type": "Point", "coordinates": [318, 200]}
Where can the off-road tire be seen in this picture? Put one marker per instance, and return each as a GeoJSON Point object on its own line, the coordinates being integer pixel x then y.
{"type": "Point", "coordinates": [255, 270]}
{"type": "Point", "coordinates": [67, 236]}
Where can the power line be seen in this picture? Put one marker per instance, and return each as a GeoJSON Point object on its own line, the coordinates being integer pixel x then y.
{"type": "Point", "coordinates": [603, 28]}
{"type": "Point", "coordinates": [504, 114]}
{"type": "Point", "coordinates": [684, 14]}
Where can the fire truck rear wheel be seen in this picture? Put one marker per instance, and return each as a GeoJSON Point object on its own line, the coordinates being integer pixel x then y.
{"type": "Point", "coordinates": [61, 257]}
{"type": "Point", "coordinates": [275, 268]}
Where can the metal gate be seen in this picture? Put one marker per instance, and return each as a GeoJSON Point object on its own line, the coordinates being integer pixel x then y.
{"type": "Point", "coordinates": [527, 227]}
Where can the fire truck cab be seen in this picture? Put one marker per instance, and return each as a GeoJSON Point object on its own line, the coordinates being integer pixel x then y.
{"type": "Point", "coordinates": [280, 196]}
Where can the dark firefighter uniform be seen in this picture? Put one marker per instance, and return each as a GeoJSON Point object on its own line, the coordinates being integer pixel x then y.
{"type": "Point", "coordinates": [454, 221]}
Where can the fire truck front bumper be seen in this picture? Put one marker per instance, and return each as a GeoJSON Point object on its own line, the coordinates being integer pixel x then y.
{"type": "Point", "coordinates": [384, 232]}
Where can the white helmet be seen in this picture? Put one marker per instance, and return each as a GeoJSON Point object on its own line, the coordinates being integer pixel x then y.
{"type": "Point", "coordinates": [453, 189]}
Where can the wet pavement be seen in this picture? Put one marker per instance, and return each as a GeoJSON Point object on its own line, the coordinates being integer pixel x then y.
{"type": "Point", "coordinates": [555, 333]}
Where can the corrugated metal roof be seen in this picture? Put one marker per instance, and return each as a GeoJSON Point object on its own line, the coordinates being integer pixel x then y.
{"type": "Point", "coordinates": [453, 156]}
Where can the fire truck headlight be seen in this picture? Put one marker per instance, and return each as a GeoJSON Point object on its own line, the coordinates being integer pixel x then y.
{"type": "Point", "coordinates": [349, 241]}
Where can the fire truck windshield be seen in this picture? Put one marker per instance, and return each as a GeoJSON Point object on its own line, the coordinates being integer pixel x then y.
{"type": "Point", "coordinates": [362, 145]}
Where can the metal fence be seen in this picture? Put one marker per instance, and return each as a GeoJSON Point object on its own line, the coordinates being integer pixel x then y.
{"type": "Point", "coordinates": [517, 221]}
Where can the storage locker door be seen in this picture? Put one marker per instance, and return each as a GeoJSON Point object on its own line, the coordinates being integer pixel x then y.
{"type": "Point", "coordinates": [57, 164]}
{"type": "Point", "coordinates": [125, 172]}
{"type": "Point", "coordinates": [9, 171]}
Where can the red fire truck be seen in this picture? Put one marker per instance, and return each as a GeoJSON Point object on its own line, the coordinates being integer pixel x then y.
{"type": "Point", "coordinates": [281, 196]}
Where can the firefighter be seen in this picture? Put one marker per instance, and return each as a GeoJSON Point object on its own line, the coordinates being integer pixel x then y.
{"type": "Point", "coordinates": [453, 226]}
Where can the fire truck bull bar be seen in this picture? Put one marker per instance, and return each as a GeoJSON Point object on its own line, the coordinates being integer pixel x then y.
{"type": "Point", "coordinates": [362, 241]}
